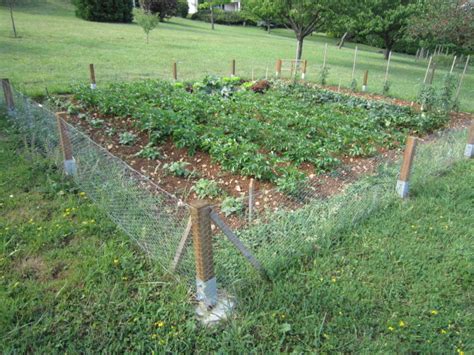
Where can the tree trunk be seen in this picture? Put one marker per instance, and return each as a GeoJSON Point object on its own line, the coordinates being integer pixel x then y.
{"type": "Point", "coordinates": [299, 48]}
{"type": "Point", "coordinates": [343, 39]}
{"type": "Point", "coordinates": [13, 20]}
{"type": "Point", "coordinates": [212, 18]}
{"type": "Point", "coordinates": [388, 45]}
{"type": "Point", "coordinates": [269, 27]}
{"type": "Point", "coordinates": [386, 52]}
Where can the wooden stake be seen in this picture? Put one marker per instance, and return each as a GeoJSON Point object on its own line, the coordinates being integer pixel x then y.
{"type": "Point", "coordinates": [92, 76]}
{"type": "Point", "coordinates": [182, 246]}
{"type": "Point", "coordinates": [366, 77]}
{"type": "Point", "coordinates": [278, 67]}
{"type": "Point", "coordinates": [233, 67]}
{"type": "Point", "coordinates": [427, 70]}
{"type": "Point", "coordinates": [202, 240]}
{"type": "Point", "coordinates": [325, 55]}
{"type": "Point", "coordinates": [354, 65]}
{"type": "Point", "coordinates": [8, 93]}
{"type": "Point", "coordinates": [408, 159]}
{"type": "Point", "coordinates": [417, 54]}
{"type": "Point", "coordinates": [64, 140]}
{"type": "Point", "coordinates": [452, 66]}
{"type": "Point", "coordinates": [469, 152]}
{"type": "Point", "coordinates": [458, 90]}
{"type": "Point", "coordinates": [303, 71]}
{"type": "Point", "coordinates": [430, 81]}
{"type": "Point", "coordinates": [251, 199]}
{"type": "Point", "coordinates": [175, 71]}
{"type": "Point", "coordinates": [388, 66]}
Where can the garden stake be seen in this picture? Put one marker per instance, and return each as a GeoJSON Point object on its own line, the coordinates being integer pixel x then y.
{"type": "Point", "coordinates": [70, 167]}
{"type": "Point", "coordinates": [404, 179]}
{"type": "Point", "coordinates": [251, 199]}
{"type": "Point", "coordinates": [354, 65]}
{"type": "Point", "coordinates": [430, 81]}
{"type": "Point", "coordinates": [175, 71]}
{"type": "Point", "coordinates": [366, 79]}
{"type": "Point", "coordinates": [427, 70]}
{"type": "Point", "coordinates": [7, 91]}
{"type": "Point", "coordinates": [278, 68]}
{"type": "Point", "coordinates": [303, 72]}
{"type": "Point", "coordinates": [458, 90]}
{"type": "Point", "coordinates": [92, 76]}
{"type": "Point", "coordinates": [452, 66]}
{"type": "Point", "coordinates": [469, 152]}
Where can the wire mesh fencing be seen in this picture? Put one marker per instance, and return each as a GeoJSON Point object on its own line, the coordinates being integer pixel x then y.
{"type": "Point", "coordinates": [273, 230]}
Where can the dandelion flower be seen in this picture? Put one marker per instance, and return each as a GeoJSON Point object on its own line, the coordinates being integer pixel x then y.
{"type": "Point", "coordinates": [391, 328]}
{"type": "Point", "coordinates": [82, 194]}
{"type": "Point", "coordinates": [116, 261]}
{"type": "Point", "coordinates": [333, 279]}
{"type": "Point", "coordinates": [402, 324]}
{"type": "Point", "coordinates": [160, 324]}
{"type": "Point", "coordinates": [434, 312]}
{"type": "Point", "coordinates": [443, 331]}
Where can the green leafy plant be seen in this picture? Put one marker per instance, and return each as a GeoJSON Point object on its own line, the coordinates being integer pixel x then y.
{"type": "Point", "coordinates": [386, 88]}
{"type": "Point", "coordinates": [96, 122]}
{"type": "Point", "coordinates": [323, 75]}
{"type": "Point", "coordinates": [110, 131]}
{"type": "Point", "coordinates": [146, 20]}
{"type": "Point", "coordinates": [127, 138]}
{"type": "Point", "coordinates": [290, 181]}
{"type": "Point", "coordinates": [354, 85]}
{"type": "Point", "coordinates": [149, 152]}
{"type": "Point", "coordinates": [179, 169]}
{"type": "Point", "coordinates": [232, 205]}
{"type": "Point", "coordinates": [205, 188]}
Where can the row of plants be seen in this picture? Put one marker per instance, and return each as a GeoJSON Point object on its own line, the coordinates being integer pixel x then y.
{"type": "Point", "coordinates": [266, 134]}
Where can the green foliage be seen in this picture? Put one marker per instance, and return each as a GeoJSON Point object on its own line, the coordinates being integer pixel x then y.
{"type": "Point", "coordinates": [162, 8]}
{"type": "Point", "coordinates": [354, 85]}
{"type": "Point", "coordinates": [221, 17]}
{"type": "Point", "coordinates": [179, 169]}
{"type": "Point", "coordinates": [260, 135]}
{"type": "Point", "coordinates": [149, 152]}
{"type": "Point", "coordinates": [291, 181]}
{"type": "Point", "coordinates": [182, 8]}
{"type": "Point", "coordinates": [127, 138]}
{"type": "Point", "coordinates": [96, 123]}
{"type": "Point", "coordinates": [323, 75]}
{"type": "Point", "coordinates": [205, 188]}
{"type": "Point", "coordinates": [439, 99]}
{"type": "Point", "coordinates": [104, 10]}
{"type": "Point", "coordinates": [232, 205]}
{"type": "Point", "coordinates": [146, 20]}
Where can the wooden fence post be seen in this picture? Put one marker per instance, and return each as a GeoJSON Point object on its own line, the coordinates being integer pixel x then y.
{"type": "Point", "coordinates": [427, 70]}
{"type": "Point", "coordinates": [432, 74]}
{"type": "Point", "coordinates": [453, 65]}
{"type": "Point", "coordinates": [232, 68]}
{"type": "Point", "coordinates": [175, 71]}
{"type": "Point", "coordinates": [354, 65]}
{"type": "Point", "coordinates": [203, 254]}
{"type": "Point", "coordinates": [404, 179]}
{"type": "Point", "coordinates": [303, 71]}
{"type": "Point", "coordinates": [366, 79]}
{"type": "Point", "coordinates": [469, 152]}
{"type": "Point", "coordinates": [70, 167]}
{"type": "Point", "coordinates": [278, 68]}
{"type": "Point", "coordinates": [8, 93]}
{"type": "Point", "coordinates": [92, 76]}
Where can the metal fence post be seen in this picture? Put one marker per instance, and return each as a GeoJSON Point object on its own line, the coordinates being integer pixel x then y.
{"type": "Point", "coordinates": [403, 181]}
{"type": "Point", "coordinates": [92, 76]}
{"type": "Point", "coordinates": [7, 91]}
{"type": "Point", "coordinates": [70, 167]}
{"type": "Point", "coordinates": [469, 152]}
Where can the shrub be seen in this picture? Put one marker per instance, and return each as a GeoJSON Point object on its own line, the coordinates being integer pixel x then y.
{"type": "Point", "coordinates": [164, 8]}
{"type": "Point", "coordinates": [206, 188]}
{"type": "Point", "coordinates": [182, 8]}
{"type": "Point", "coordinates": [104, 10]}
{"type": "Point", "coordinates": [222, 17]}
{"type": "Point", "coordinates": [127, 138]}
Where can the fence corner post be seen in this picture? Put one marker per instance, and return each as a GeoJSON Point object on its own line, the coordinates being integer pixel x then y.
{"type": "Point", "coordinates": [469, 152]}
{"type": "Point", "coordinates": [92, 77]}
{"type": "Point", "coordinates": [70, 167]}
{"type": "Point", "coordinates": [403, 183]}
{"type": "Point", "coordinates": [7, 91]}
{"type": "Point", "coordinates": [212, 307]}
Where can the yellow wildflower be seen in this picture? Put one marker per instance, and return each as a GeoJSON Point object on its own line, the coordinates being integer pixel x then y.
{"type": "Point", "coordinates": [402, 324]}
{"type": "Point", "coordinates": [116, 261]}
{"type": "Point", "coordinates": [434, 312]}
{"type": "Point", "coordinates": [333, 279]}
{"type": "Point", "coordinates": [391, 328]}
{"type": "Point", "coordinates": [160, 324]}
{"type": "Point", "coordinates": [443, 331]}
{"type": "Point", "coordinates": [82, 194]}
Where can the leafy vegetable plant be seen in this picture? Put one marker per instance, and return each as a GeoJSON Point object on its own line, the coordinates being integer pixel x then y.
{"type": "Point", "coordinates": [206, 189]}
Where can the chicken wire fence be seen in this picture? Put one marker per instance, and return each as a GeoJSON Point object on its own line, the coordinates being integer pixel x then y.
{"type": "Point", "coordinates": [275, 231]}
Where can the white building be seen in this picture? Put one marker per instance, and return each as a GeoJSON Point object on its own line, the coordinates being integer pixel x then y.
{"type": "Point", "coordinates": [232, 6]}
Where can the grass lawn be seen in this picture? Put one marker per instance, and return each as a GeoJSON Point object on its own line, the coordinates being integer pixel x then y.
{"type": "Point", "coordinates": [55, 49]}
{"type": "Point", "coordinates": [69, 281]}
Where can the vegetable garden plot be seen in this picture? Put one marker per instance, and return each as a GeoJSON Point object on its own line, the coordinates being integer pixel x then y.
{"type": "Point", "coordinates": [207, 139]}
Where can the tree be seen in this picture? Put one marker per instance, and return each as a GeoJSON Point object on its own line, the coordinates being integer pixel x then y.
{"type": "Point", "coordinates": [146, 20]}
{"type": "Point", "coordinates": [164, 8]}
{"type": "Point", "coordinates": [11, 5]}
{"type": "Point", "coordinates": [210, 5]}
{"type": "Point", "coordinates": [262, 10]}
{"type": "Point", "coordinates": [303, 17]}
{"type": "Point", "coordinates": [388, 19]}
{"type": "Point", "coordinates": [104, 10]}
{"type": "Point", "coordinates": [446, 22]}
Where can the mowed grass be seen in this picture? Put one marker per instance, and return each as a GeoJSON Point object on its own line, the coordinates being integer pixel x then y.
{"type": "Point", "coordinates": [71, 282]}
{"type": "Point", "coordinates": [55, 49]}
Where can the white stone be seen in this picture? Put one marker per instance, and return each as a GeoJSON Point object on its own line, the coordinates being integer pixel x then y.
{"type": "Point", "coordinates": [210, 316]}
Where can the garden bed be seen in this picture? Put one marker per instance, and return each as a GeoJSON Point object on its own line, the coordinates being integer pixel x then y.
{"type": "Point", "coordinates": [208, 139]}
